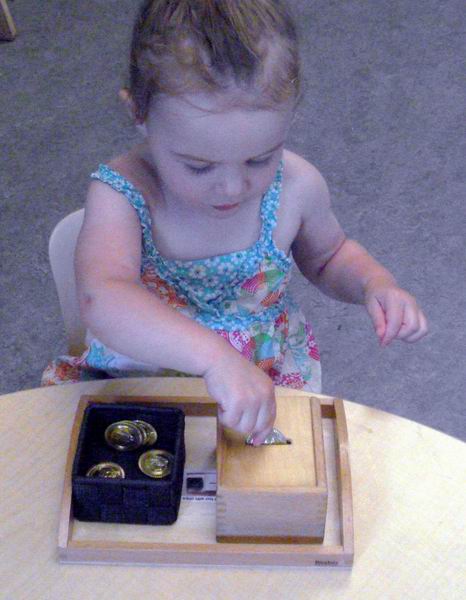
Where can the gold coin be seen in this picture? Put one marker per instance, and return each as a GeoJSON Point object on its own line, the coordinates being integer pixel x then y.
{"type": "Point", "coordinates": [156, 463]}
{"type": "Point", "coordinates": [109, 470]}
{"type": "Point", "coordinates": [124, 435]}
{"type": "Point", "coordinates": [149, 433]}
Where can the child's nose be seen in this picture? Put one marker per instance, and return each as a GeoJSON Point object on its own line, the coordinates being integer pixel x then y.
{"type": "Point", "coordinates": [234, 184]}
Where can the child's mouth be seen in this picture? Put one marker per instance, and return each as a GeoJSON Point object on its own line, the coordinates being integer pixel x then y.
{"type": "Point", "coordinates": [226, 206]}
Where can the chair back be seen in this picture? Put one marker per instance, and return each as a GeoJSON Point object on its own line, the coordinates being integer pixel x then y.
{"type": "Point", "coordinates": [62, 246]}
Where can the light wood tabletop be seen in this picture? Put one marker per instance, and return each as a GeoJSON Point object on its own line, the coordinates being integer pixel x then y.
{"type": "Point", "coordinates": [409, 502]}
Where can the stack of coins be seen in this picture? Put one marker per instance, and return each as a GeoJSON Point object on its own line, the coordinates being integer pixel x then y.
{"type": "Point", "coordinates": [130, 435]}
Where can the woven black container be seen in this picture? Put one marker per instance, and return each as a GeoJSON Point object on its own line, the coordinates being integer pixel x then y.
{"type": "Point", "coordinates": [138, 498]}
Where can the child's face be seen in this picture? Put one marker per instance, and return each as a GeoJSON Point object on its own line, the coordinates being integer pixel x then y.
{"type": "Point", "coordinates": [215, 162]}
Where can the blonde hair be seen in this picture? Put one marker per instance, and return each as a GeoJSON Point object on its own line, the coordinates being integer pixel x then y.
{"type": "Point", "coordinates": [181, 46]}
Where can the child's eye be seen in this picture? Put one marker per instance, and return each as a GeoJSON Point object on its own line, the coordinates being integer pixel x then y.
{"type": "Point", "coordinates": [199, 170]}
{"type": "Point", "coordinates": [259, 163]}
{"type": "Point", "coordinates": [207, 168]}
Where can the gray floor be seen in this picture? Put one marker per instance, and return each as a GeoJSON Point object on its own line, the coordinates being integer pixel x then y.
{"type": "Point", "coordinates": [383, 120]}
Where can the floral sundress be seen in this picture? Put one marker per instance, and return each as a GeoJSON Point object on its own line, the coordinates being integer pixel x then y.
{"type": "Point", "coordinates": [243, 296]}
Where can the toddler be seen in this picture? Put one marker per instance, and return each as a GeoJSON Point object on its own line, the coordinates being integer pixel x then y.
{"type": "Point", "coordinates": [184, 257]}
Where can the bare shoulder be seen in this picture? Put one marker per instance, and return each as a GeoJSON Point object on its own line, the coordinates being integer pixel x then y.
{"type": "Point", "coordinates": [109, 221]}
{"type": "Point", "coordinates": [135, 166]}
{"type": "Point", "coordinates": [104, 202]}
{"type": "Point", "coordinates": [304, 195]}
{"type": "Point", "coordinates": [107, 206]}
{"type": "Point", "coordinates": [123, 164]}
{"type": "Point", "coordinates": [109, 244]}
{"type": "Point", "coordinates": [318, 233]}
{"type": "Point", "coordinates": [304, 183]}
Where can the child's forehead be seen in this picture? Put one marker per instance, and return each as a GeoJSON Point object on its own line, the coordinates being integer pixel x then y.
{"type": "Point", "coordinates": [197, 104]}
{"type": "Point", "coordinates": [212, 119]}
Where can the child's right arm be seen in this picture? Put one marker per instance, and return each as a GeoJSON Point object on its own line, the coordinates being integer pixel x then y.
{"type": "Point", "coordinates": [128, 318]}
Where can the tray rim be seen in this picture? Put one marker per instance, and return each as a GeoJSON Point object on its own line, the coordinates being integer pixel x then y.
{"type": "Point", "coordinates": [214, 553]}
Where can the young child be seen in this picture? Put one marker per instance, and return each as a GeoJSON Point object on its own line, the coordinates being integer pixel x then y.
{"type": "Point", "coordinates": [184, 257]}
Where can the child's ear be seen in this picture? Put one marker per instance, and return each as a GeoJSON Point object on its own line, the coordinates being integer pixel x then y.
{"type": "Point", "coordinates": [128, 101]}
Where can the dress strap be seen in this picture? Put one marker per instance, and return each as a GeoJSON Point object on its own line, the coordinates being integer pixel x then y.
{"type": "Point", "coordinates": [134, 197]}
{"type": "Point", "coordinates": [120, 184]}
{"type": "Point", "coordinates": [270, 204]}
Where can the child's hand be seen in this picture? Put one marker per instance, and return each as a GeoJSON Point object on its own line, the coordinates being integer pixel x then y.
{"type": "Point", "coordinates": [394, 313]}
{"type": "Point", "coordinates": [245, 395]}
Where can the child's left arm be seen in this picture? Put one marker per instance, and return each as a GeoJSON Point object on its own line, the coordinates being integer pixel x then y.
{"type": "Point", "coordinates": [343, 269]}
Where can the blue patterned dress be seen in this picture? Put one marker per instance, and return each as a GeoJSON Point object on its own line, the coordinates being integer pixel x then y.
{"type": "Point", "coordinates": [243, 296]}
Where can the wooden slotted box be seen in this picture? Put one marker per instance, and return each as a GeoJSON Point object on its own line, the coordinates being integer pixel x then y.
{"type": "Point", "coordinates": [276, 493]}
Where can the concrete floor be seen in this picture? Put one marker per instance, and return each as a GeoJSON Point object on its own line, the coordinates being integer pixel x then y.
{"type": "Point", "coordinates": [383, 120]}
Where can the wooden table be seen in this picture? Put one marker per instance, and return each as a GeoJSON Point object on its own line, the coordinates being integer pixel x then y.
{"type": "Point", "coordinates": [409, 513]}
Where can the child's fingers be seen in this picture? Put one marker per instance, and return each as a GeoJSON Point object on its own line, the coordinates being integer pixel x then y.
{"type": "Point", "coordinates": [248, 422]}
{"type": "Point", "coordinates": [410, 322]}
{"type": "Point", "coordinates": [257, 422]}
{"type": "Point", "coordinates": [394, 312]}
{"type": "Point", "coordinates": [377, 315]}
{"type": "Point", "coordinates": [417, 332]}
{"type": "Point", "coordinates": [424, 328]}
{"type": "Point", "coordinates": [229, 417]}
{"type": "Point", "coordinates": [396, 315]}
{"type": "Point", "coordinates": [263, 425]}
{"type": "Point", "coordinates": [259, 425]}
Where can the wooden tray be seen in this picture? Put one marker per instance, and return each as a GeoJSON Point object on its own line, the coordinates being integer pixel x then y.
{"type": "Point", "coordinates": [191, 540]}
